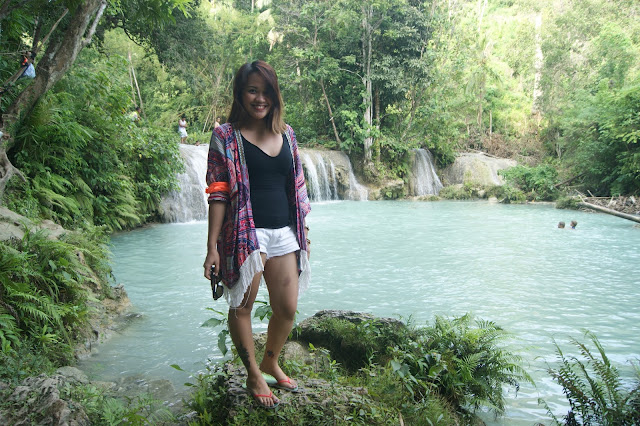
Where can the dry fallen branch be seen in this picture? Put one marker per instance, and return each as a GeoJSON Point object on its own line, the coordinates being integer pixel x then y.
{"type": "Point", "coordinates": [601, 209]}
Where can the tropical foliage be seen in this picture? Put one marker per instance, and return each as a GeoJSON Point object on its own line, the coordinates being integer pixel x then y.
{"type": "Point", "coordinates": [463, 362]}
{"type": "Point", "coordinates": [438, 374]}
{"type": "Point", "coordinates": [85, 161]}
{"type": "Point", "coordinates": [596, 392]}
{"type": "Point", "coordinates": [539, 182]}
{"type": "Point", "coordinates": [376, 79]}
{"type": "Point", "coordinates": [43, 291]}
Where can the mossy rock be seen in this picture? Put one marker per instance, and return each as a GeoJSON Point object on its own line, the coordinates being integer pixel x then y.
{"type": "Point", "coordinates": [351, 337]}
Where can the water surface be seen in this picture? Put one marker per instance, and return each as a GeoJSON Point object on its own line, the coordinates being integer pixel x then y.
{"type": "Point", "coordinates": [504, 263]}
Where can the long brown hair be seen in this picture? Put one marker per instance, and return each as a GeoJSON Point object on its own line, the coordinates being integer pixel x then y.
{"type": "Point", "coordinates": [238, 115]}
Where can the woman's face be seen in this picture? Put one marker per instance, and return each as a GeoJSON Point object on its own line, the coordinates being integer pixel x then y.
{"type": "Point", "coordinates": [255, 99]}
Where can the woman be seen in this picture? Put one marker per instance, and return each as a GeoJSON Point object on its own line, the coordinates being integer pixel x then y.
{"type": "Point", "coordinates": [182, 129]}
{"type": "Point", "coordinates": [257, 207]}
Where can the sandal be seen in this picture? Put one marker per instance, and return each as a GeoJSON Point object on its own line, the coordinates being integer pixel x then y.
{"type": "Point", "coordinates": [257, 396]}
{"type": "Point", "coordinates": [279, 385]}
{"type": "Point", "coordinates": [269, 379]}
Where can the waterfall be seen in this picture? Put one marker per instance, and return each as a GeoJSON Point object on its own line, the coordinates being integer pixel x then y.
{"type": "Point", "coordinates": [356, 191]}
{"type": "Point", "coordinates": [424, 179]}
{"type": "Point", "coordinates": [190, 201]}
{"type": "Point", "coordinates": [326, 186]}
{"type": "Point", "coordinates": [321, 185]}
{"type": "Point", "coordinates": [334, 189]}
{"type": "Point", "coordinates": [311, 177]}
{"type": "Point", "coordinates": [328, 174]}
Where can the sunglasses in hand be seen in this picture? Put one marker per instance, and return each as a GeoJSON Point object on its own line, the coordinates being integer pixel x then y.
{"type": "Point", "coordinates": [216, 288]}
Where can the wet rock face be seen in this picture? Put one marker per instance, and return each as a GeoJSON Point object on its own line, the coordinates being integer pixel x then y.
{"type": "Point", "coordinates": [475, 168]}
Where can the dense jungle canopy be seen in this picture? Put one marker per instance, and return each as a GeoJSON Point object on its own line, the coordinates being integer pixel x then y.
{"type": "Point", "coordinates": [554, 84]}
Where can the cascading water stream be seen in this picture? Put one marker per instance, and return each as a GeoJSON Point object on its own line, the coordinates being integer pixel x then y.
{"type": "Point", "coordinates": [326, 185]}
{"type": "Point", "coordinates": [425, 181]}
{"type": "Point", "coordinates": [311, 177]}
{"type": "Point", "coordinates": [357, 192]}
{"type": "Point", "coordinates": [189, 203]}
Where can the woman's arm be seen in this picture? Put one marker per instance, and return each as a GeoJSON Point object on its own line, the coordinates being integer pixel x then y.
{"type": "Point", "coordinates": [217, 210]}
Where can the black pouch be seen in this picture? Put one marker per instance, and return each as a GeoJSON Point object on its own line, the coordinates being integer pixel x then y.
{"type": "Point", "coordinates": [216, 288]}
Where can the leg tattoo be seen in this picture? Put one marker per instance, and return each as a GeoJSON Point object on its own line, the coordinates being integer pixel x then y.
{"type": "Point", "coordinates": [243, 353]}
{"type": "Point", "coordinates": [270, 354]}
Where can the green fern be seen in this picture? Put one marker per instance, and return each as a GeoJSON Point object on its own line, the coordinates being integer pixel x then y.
{"type": "Point", "coordinates": [463, 362]}
{"type": "Point", "coordinates": [9, 333]}
{"type": "Point", "coordinates": [594, 389]}
{"type": "Point", "coordinates": [32, 306]}
{"type": "Point", "coordinates": [40, 286]}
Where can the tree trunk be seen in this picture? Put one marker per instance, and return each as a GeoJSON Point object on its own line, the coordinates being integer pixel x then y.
{"type": "Point", "coordinates": [490, 126]}
{"type": "Point", "coordinates": [367, 96]}
{"type": "Point", "coordinates": [135, 80]}
{"type": "Point", "coordinates": [56, 61]}
{"type": "Point", "coordinates": [609, 211]}
{"type": "Point", "coordinates": [59, 56]}
{"type": "Point", "coordinates": [7, 171]}
{"type": "Point", "coordinates": [333, 122]}
{"type": "Point", "coordinates": [538, 63]}
{"type": "Point", "coordinates": [133, 89]}
{"type": "Point", "coordinates": [482, 5]}
{"type": "Point", "coordinates": [376, 117]}
{"type": "Point", "coordinates": [38, 44]}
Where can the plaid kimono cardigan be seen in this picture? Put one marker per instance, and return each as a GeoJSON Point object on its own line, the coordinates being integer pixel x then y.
{"type": "Point", "coordinates": [238, 244]}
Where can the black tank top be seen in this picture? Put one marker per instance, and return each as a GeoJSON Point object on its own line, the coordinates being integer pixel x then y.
{"type": "Point", "coordinates": [268, 184]}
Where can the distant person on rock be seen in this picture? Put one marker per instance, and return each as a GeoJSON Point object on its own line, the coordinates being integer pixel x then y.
{"type": "Point", "coordinates": [28, 71]}
{"type": "Point", "coordinates": [257, 207]}
{"type": "Point", "coordinates": [182, 129]}
{"type": "Point", "coordinates": [217, 123]}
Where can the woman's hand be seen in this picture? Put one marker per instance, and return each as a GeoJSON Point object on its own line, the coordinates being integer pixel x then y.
{"type": "Point", "coordinates": [306, 236]}
{"type": "Point", "coordinates": [212, 259]}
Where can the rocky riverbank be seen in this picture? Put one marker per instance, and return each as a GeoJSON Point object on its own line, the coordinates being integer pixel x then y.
{"type": "Point", "coordinates": [622, 204]}
{"type": "Point", "coordinates": [109, 310]}
{"type": "Point", "coordinates": [53, 399]}
{"type": "Point", "coordinates": [47, 399]}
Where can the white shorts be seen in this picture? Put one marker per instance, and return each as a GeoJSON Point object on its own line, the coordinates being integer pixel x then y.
{"type": "Point", "coordinates": [277, 242]}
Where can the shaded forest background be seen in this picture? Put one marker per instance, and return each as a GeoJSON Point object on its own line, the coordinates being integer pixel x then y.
{"type": "Point", "coordinates": [553, 84]}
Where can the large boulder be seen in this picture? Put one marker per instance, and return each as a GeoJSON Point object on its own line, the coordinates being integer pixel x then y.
{"type": "Point", "coordinates": [390, 189]}
{"type": "Point", "coordinates": [314, 398]}
{"type": "Point", "coordinates": [350, 336]}
{"type": "Point", "coordinates": [12, 225]}
{"type": "Point", "coordinates": [40, 403]}
{"type": "Point", "coordinates": [477, 169]}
